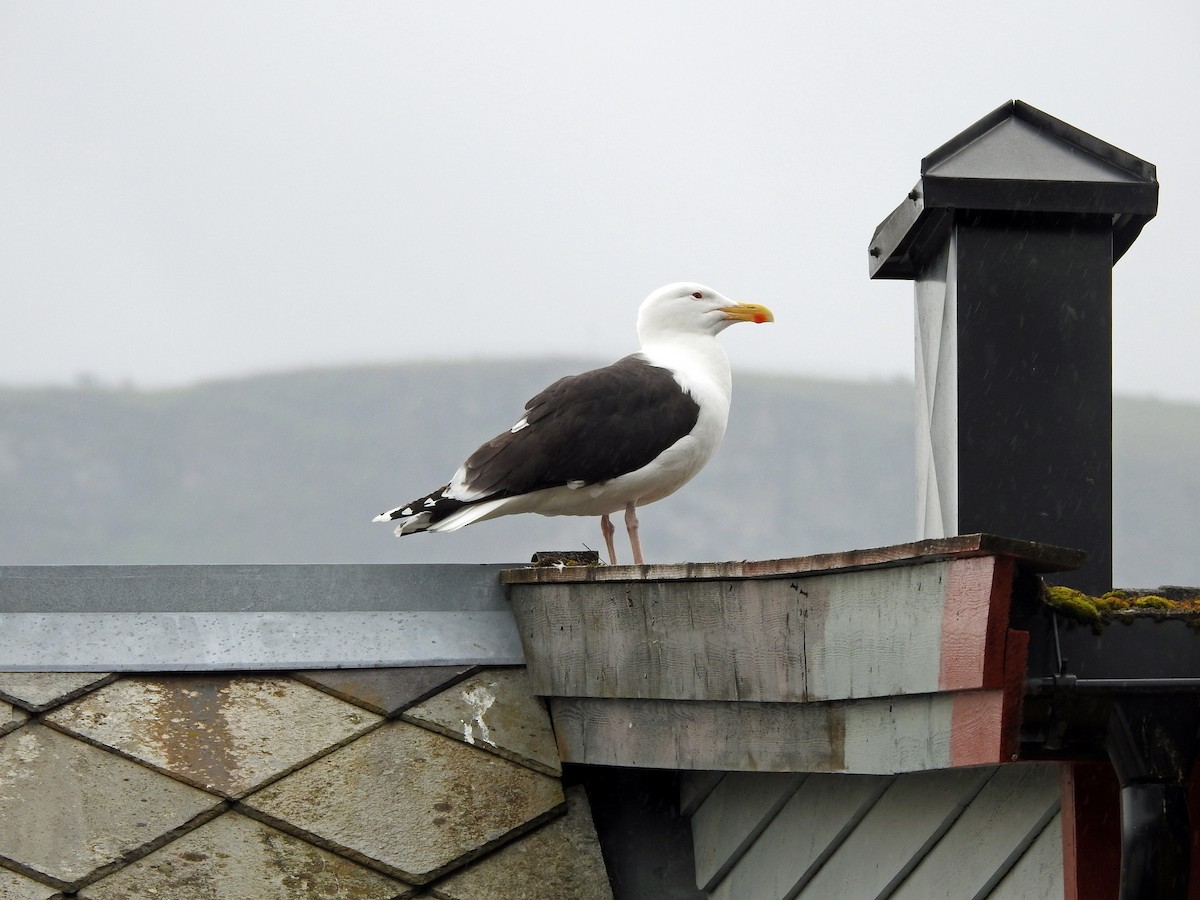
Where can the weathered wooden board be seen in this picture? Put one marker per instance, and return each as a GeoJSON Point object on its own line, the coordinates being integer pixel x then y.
{"type": "Point", "coordinates": [990, 836]}
{"type": "Point", "coordinates": [732, 818]}
{"type": "Point", "coordinates": [1035, 557]}
{"type": "Point", "coordinates": [909, 817]}
{"type": "Point", "coordinates": [807, 831]}
{"type": "Point", "coordinates": [881, 632]}
{"type": "Point", "coordinates": [871, 736]}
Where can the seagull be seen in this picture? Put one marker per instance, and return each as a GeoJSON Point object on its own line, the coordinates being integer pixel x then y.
{"type": "Point", "coordinates": [607, 440]}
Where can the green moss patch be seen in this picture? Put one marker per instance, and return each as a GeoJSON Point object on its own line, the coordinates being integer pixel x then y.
{"type": "Point", "coordinates": [1124, 604]}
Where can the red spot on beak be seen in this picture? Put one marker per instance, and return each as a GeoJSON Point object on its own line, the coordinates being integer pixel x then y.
{"type": "Point", "coordinates": [759, 318]}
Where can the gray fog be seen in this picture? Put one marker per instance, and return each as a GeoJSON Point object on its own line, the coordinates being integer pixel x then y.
{"type": "Point", "coordinates": [198, 191]}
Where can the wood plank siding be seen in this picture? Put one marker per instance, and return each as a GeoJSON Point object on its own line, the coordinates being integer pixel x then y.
{"type": "Point", "coordinates": [876, 736]}
{"type": "Point", "coordinates": [933, 627]}
{"type": "Point", "coordinates": [839, 721]}
{"type": "Point", "coordinates": [895, 659]}
{"type": "Point", "coordinates": [988, 832]}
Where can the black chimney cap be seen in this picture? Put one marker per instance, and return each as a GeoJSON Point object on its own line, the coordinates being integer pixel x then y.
{"type": "Point", "coordinates": [1017, 159]}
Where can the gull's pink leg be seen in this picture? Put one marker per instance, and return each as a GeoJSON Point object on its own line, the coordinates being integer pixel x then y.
{"type": "Point", "coordinates": [606, 527]}
{"type": "Point", "coordinates": [631, 525]}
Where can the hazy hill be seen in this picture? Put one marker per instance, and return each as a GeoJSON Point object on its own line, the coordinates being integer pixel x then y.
{"type": "Point", "coordinates": [291, 468]}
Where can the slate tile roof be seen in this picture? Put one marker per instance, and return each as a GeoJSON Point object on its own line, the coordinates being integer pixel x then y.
{"type": "Point", "coordinates": [496, 709]}
{"type": "Point", "coordinates": [434, 782]}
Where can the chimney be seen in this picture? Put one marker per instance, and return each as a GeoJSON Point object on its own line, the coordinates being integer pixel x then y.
{"type": "Point", "coordinates": [1010, 236]}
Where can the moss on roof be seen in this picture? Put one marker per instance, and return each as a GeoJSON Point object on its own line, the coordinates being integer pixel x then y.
{"type": "Point", "coordinates": [1125, 604]}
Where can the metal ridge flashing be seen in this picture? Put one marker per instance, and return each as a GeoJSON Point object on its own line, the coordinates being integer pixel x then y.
{"type": "Point", "coordinates": [250, 588]}
{"type": "Point", "coordinates": [271, 641]}
{"type": "Point", "coordinates": [230, 618]}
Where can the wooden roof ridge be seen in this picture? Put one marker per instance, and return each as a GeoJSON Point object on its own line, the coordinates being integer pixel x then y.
{"type": "Point", "coordinates": [1032, 555]}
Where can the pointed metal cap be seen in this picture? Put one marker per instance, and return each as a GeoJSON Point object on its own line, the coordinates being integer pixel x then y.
{"type": "Point", "coordinates": [1016, 159]}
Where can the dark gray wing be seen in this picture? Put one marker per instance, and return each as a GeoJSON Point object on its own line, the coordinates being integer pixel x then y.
{"type": "Point", "coordinates": [587, 428]}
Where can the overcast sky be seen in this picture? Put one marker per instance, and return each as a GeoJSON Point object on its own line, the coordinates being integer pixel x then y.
{"type": "Point", "coordinates": [200, 190]}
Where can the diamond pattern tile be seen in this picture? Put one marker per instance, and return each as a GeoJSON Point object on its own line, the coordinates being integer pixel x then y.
{"type": "Point", "coordinates": [410, 801]}
{"type": "Point", "coordinates": [385, 691]}
{"type": "Point", "coordinates": [560, 859]}
{"type": "Point", "coordinates": [68, 809]}
{"type": "Point", "coordinates": [10, 718]}
{"type": "Point", "coordinates": [497, 711]}
{"type": "Point", "coordinates": [38, 691]}
{"type": "Point", "coordinates": [18, 887]}
{"type": "Point", "coordinates": [236, 858]}
{"type": "Point", "coordinates": [220, 733]}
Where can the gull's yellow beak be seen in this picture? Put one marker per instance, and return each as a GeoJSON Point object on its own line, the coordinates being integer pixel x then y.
{"type": "Point", "coordinates": [748, 312]}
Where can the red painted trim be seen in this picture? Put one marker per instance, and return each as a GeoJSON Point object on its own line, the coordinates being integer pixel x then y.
{"type": "Point", "coordinates": [1091, 828]}
{"type": "Point", "coordinates": [997, 661]}
{"type": "Point", "coordinates": [974, 623]}
{"type": "Point", "coordinates": [976, 728]}
{"type": "Point", "coordinates": [1016, 662]}
{"type": "Point", "coordinates": [985, 726]}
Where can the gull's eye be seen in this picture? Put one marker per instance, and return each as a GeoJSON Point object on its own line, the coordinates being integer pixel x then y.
{"type": "Point", "coordinates": [697, 295]}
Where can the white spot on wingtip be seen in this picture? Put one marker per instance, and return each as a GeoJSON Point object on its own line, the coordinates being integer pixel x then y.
{"type": "Point", "coordinates": [389, 516]}
{"type": "Point", "coordinates": [429, 501]}
{"type": "Point", "coordinates": [524, 423]}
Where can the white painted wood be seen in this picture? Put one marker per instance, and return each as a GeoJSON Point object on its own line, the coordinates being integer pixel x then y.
{"type": "Point", "coordinates": [937, 395]}
{"type": "Point", "coordinates": [991, 833]}
{"type": "Point", "coordinates": [878, 632]}
{"type": "Point", "coordinates": [868, 633]}
{"type": "Point", "coordinates": [875, 736]}
{"type": "Point", "coordinates": [733, 817]}
{"type": "Point", "coordinates": [930, 293]}
{"type": "Point", "coordinates": [990, 836]}
{"type": "Point", "coordinates": [884, 737]}
{"type": "Point", "coordinates": [808, 829]}
{"type": "Point", "coordinates": [1038, 874]}
{"type": "Point", "coordinates": [895, 834]}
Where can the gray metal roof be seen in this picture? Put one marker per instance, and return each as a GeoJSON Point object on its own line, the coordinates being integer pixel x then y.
{"type": "Point", "coordinates": [191, 618]}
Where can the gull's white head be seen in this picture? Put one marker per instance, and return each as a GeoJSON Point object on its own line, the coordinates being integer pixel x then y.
{"type": "Point", "coordinates": [689, 308]}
